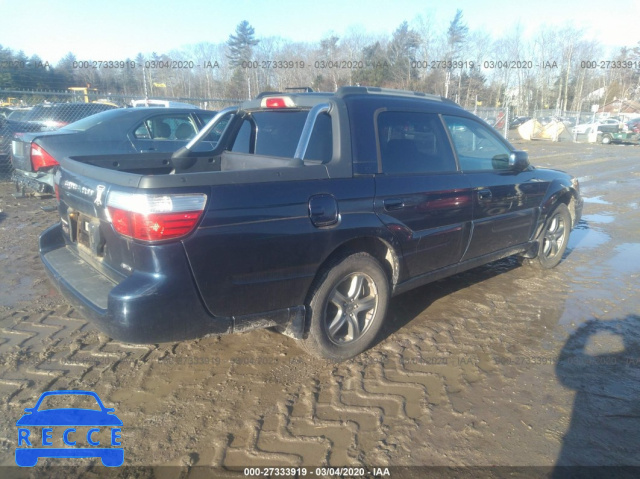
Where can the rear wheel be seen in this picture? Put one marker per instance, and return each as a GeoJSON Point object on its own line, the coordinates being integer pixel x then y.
{"type": "Point", "coordinates": [606, 139]}
{"type": "Point", "coordinates": [346, 308]}
{"type": "Point", "coordinates": [555, 237]}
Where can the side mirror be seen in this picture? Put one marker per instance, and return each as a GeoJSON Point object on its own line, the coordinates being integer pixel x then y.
{"type": "Point", "coordinates": [519, 160]}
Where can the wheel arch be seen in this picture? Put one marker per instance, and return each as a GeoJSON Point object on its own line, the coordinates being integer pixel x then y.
{"type": "Point", "coordinates": [560, 194]}
{"type": "Point", "coordinates": [379, 248]}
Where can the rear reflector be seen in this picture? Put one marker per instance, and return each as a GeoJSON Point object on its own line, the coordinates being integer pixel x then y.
{"type": "Point", "coordinates": [155, 217]}
{"type": "Point", "coordinates": [277, 102]}
{"type": "Point", "coordinates": [40, 158]}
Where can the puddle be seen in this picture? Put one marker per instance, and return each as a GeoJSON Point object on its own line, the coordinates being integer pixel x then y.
{"type": "Point", "coordinates": [595, 199]}
{"type": "Point", "coordinates": [596, 218]}
{"type": "Point", "coordinates": [583, 236]}
{"type": "Point", "coordinates": [602, 289]}
{"type": "Point", "coordinates": [21, 290]}
{"type": "Point", "coordinates": [623, 261]}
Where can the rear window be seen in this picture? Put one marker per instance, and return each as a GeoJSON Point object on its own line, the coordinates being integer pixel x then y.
{"type": "Point", "coordinates": [65, 113]}
{"type": "Point", "coordinates": [217, 131]}
{"type": "Point", "coordinates": [271, 133]}
{"type": "Point", "coordinates": [92, 120]}
{"type": "Point", "coordinates": [277, 133]}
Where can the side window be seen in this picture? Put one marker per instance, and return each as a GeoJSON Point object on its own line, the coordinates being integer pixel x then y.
{"type": "Point", "coordinates": [166, 127]}
{"type": "Point", "coordinates": [413, 142]}
{"type": "Point", "coordinates": [242, 143]}
{"type": "Point", "coordinates": [478, 148]}
{"type": "Point", "coordinates": [320, 146]}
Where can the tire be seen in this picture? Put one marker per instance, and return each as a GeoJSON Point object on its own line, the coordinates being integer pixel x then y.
{"type": "Point", "coordinates": [554, 238]}
{"type": "Point", "coordinates": [606, 139]}
{"type": "Point", "coordinates": [346, 307]}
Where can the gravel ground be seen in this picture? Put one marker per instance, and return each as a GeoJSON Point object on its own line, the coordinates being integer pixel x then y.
{"type": "Point", "coordinates": [501, 365]}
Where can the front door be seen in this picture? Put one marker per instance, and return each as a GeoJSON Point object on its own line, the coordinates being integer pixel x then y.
{"type": "Point", "coordinates": [505, 200]}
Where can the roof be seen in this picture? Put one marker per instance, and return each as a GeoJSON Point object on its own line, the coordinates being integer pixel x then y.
{"type": "Point", "coordinates": [312, 98]}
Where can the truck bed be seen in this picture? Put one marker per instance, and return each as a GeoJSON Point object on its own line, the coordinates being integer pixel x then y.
{"type": "Point", "coordinates": [159, 170]}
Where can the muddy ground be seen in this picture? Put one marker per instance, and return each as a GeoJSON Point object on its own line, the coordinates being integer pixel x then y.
{"type": "Point", "coordinates": [501, 365]}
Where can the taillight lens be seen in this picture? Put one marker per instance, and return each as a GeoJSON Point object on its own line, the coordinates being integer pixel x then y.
{"type": "Point", "coordinates": [40, 158]}
{"type": "Point", "coordinates": [54, 125]}
{"type": "Point", "coordinates": [155, 217]}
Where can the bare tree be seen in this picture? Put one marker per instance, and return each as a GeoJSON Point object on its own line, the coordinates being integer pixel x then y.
{"type": "Point", "coordinates": [456, 36]}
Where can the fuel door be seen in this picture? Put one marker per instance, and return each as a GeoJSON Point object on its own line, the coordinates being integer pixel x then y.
{"type": "Point", "coordinates": [323, 210]}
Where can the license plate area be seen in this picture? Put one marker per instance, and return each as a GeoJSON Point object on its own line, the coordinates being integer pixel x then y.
{"type": "Point", "coordinates": [85, 232]}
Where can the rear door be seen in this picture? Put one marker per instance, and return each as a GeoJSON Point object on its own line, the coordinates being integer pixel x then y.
{"type": "Point", "coordinates": [420, 194]}
{"type": "Point", "coordinates": [506, 201]}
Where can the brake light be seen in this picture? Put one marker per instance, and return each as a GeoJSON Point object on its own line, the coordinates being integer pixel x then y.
{"type": "Point", "coordinates": [155, 217]}
{"type": "Point", "coordinates": [54, 125]}
{"type": "Point", "coordinates": [40, 158]}
{"type": "Point", "coordinates": [277, 102]}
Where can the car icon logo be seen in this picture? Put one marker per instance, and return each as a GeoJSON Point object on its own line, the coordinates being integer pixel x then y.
{"type": "Point", "coordinates": [73, 421]}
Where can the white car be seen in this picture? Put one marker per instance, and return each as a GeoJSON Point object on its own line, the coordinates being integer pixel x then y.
{"type": "Point", "coordinates": [587, 127]}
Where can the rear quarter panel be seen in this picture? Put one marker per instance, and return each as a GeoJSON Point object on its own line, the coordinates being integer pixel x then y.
{"type": "Point", "coordinates": [257, 250]}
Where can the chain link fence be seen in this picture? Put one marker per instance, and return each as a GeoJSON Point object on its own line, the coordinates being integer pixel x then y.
{"type": "Point", "coordinates": [572, 126]}
{"type": "Point", "coordinates": [496, 117]}
{"type": "Point", "coordinates": [36, 111]}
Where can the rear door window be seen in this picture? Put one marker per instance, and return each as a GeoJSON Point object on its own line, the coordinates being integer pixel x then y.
{"type": "Point", "coordinates": [413, 142]}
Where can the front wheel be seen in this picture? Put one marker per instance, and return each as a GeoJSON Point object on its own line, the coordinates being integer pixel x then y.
{"type": "Point", "coordinates": [347, 306]}
{"type": "Point", "coordinates": [606, 139]}
{"type": "Point", "coordinates": [555, 237]}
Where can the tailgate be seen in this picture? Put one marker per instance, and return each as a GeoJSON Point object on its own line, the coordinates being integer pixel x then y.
{"type": "Point", "coordinates": [86, 226]}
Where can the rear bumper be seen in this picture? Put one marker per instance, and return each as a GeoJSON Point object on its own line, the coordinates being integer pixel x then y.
{"type": "Point", "coordinates": [148, 308]}
{"type": "Point", "coordinates": [38, 182]}
{"type": "Point", "coordinates": [142, 308]}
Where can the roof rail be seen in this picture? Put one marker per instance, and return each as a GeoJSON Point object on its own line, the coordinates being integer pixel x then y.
{"type": "Point", "coordinates": [303, 89]}
{"type": "Point", "coordinates": [369, 90]}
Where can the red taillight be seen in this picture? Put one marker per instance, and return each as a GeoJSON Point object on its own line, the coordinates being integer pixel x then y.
{"type": "Point", "coordinates": [40, 158]}
{"type": "Point", "coordinates": [56, 188]}
{"type": "Point", "coordinates": [155, 217]}
{"type": "Point", "coordinates": [277, 102]}
{"type": "Point", "coordinates": [153, 227]}
{"type": "Point", "coordinates": [54, 125]}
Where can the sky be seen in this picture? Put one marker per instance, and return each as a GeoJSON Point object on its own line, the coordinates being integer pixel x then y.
{"type": "Point", "coordinates": [119, 29]}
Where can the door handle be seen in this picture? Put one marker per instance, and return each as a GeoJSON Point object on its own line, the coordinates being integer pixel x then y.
{"type": "Point", "coordinates": [393, 204]}
{"type": "Point", "coordinates": [484, 194]}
